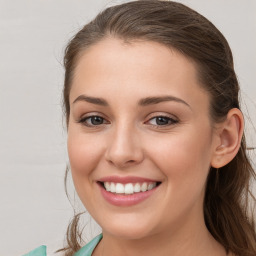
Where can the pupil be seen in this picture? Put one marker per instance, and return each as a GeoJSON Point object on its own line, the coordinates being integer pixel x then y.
{"type": "Point", "coordinates": [162, 120]}
{"type": "Point", "coordinates": [96, 120]}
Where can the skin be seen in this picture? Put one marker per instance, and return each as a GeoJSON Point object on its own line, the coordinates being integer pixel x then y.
{"type": "Point", "coordinates": [130, 142]}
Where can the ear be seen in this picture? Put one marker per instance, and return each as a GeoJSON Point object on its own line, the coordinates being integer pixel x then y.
{"type": "Point", "coordinates": [228, 138]}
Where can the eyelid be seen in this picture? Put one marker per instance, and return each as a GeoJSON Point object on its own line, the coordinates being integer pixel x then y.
{"type": "Point", "coordinates": [158, 114]}
{"type": "Point", "coordinates": [174, 120]}
{"type": "Point", "coordinates": [89, 115]}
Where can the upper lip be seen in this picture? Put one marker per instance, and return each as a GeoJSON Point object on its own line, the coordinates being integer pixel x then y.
{"type": "Point", "coordinates": [125, 179]}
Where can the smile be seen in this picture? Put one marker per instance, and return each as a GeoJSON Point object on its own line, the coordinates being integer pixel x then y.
{"type": "Point", "coordinates": [127, 191]}
{"type": "Point", "coordinates": [129, 188]}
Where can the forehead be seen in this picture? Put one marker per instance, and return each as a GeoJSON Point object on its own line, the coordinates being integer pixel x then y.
{"type": "Point", "coordinates": [114, 67]}
{"type": "Point", "coordinates": [120, 55]}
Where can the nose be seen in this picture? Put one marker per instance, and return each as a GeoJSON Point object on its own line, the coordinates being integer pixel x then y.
{"type": "Point", "coordinates": [124, 148]}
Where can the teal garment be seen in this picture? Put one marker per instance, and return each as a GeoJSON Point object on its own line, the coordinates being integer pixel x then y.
{"type": "Point", "coordinates": [88, 248]}
{"type": "Point", "coordinates": [84, 251]}
{"type": "Point", "coordinates": [40, 251]}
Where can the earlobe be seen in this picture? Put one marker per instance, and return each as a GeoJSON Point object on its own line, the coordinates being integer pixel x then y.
{"type": "Point", "coordinates": [229, 138]}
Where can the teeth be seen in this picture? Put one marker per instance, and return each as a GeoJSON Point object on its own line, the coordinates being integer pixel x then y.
{"type": "Point", "coordinates": [112, 187]}
{"type": "Point", "coordinates": [128, 188]}
{"type": "Point", "coordinates": [136, 188]}
{"type": "Point", "coordinates": [144, 187]}
{"type": "Point", "coordinates": [151, 186]}
{"type": "Point", "coordinates": [119, 188]}
{"type": "Point", "coordinates": [107, 186]}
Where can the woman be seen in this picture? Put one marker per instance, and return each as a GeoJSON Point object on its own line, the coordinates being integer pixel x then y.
{"type": "Point", "coordinates": [155, 135]}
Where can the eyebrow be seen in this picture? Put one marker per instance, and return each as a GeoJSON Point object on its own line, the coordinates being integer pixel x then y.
{"type": "Point", "coordinates": [93, 100]}
{"type": "Point", "coordinates": [155, 100]}
{"type": "Point", "coordinates": [142, 102]}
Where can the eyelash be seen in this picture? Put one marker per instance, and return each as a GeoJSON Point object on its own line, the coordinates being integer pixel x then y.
{"type": "Point", "coordinates": [84, 120]}
{"type": "Point", "coordinates": [170, 120]}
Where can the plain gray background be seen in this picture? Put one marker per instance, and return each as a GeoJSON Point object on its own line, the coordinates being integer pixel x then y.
{"type": "Point", "coordinates": [34, 208]}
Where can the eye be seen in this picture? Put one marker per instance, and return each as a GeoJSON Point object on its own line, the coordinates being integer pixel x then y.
{"type": "Point", "coordinates": [93, 120]}
{"type": "Point", "coordinates": [162, 121]}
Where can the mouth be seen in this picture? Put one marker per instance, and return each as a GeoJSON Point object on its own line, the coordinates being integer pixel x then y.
{"type": "Point", "coordinates": [127, 191]}
{"type": "Point", "coordinates": [128, 188]}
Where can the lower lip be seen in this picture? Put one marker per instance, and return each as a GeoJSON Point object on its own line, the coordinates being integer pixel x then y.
{"type": "Point", "coordinates": [126, 200]}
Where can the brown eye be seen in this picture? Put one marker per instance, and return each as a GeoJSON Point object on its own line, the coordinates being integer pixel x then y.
{"type": "Point", "coordinates": [96, 120]}
{"type": "Point", "coordinates": [162, 121]}
{"type": "Point", "coordinates": [93, 121]}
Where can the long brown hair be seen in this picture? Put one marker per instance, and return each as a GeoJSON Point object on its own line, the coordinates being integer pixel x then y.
{"type": "Point", "coordinates": [227, 214]}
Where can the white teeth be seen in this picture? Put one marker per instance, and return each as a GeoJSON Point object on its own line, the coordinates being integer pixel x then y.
{"type": "Point", "coordinates": [151, 186]}
{"type": "Point", "coordinates": [107, 186]}
{"type": "Point", "coordinates": [144, 187]}
{"type": "Point", "coordinates": [119, 188]}
{"type": "Point", "coordinates": [128, 188]}
{"type": "Point", "coordinates": [136, 187]}
{"type": "Point", "coordinates": [112, 187]}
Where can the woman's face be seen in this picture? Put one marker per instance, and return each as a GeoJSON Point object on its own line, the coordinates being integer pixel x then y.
{"type": "Point", "coordinates": [139, 121]}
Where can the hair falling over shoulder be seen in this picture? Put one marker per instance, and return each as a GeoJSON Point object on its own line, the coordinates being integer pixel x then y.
{"type": "Point", "coordinates": [229, 202]}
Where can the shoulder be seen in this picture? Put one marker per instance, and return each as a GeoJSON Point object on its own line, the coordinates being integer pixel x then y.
{"type": "Point", "coordinates": [40, 251]}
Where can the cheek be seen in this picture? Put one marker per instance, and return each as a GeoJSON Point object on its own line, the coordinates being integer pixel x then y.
{"type": "Point", "coordinates": [184, 161]}
{"type": "Point", "coordinates": [183, 158]}
{"type": "Point", "coordinates": [84, 154]}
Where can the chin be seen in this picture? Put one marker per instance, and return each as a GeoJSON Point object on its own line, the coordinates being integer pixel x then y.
{"type": "Point", "coordinates": [129, 230]}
